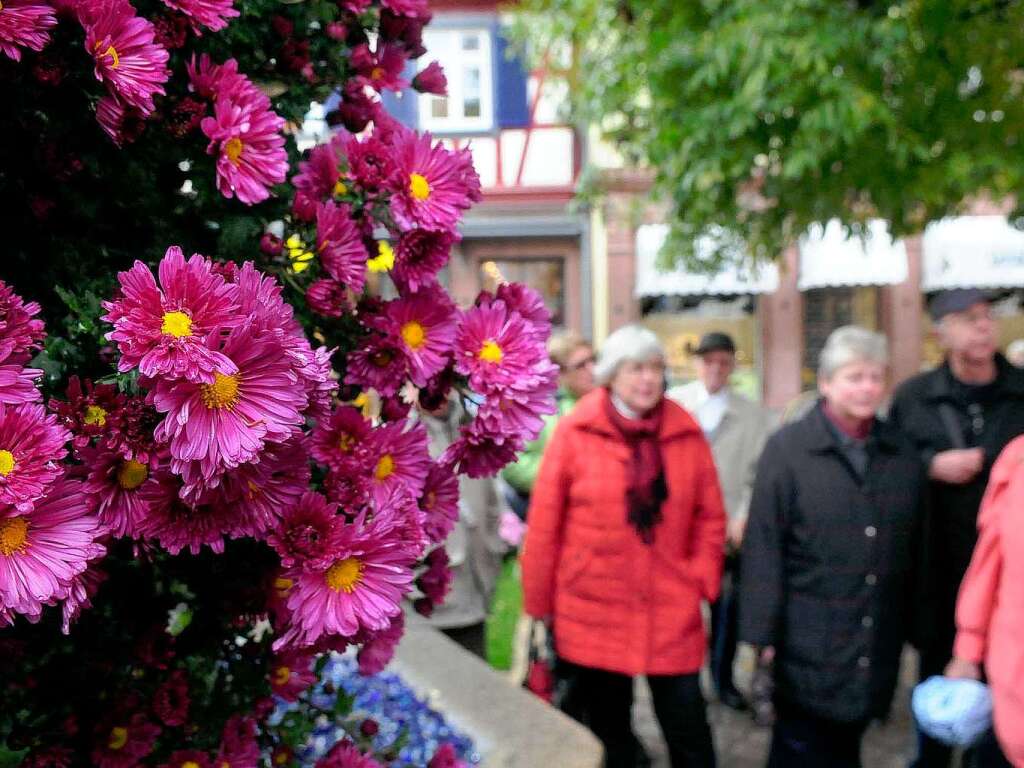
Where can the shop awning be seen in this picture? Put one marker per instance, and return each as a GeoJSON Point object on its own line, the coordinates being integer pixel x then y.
{"type": "Point", "coordinates": [972, 252]}
{"type": "Point", "coordinates": [730, 280]}
{"type": "Point", "coordinates": [829, 258]}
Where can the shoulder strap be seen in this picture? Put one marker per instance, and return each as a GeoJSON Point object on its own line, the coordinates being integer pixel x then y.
{"type": "Point", "coordinates": [952, 425]}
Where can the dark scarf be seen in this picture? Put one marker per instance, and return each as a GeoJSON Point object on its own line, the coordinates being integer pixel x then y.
{"type": "Point", "coordinates": [647, 489]}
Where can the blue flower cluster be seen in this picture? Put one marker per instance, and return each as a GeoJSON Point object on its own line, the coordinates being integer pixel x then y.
{"type": "Point", "coordinates": [393, 705]}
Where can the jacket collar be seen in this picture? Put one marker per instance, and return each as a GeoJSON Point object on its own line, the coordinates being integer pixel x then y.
{"type": "Point", "coordinates": [590, 414]}
{"type": "Point", "coordinates": [1010, 378]}
{"type": "Point", "coordinates": [820, 438]}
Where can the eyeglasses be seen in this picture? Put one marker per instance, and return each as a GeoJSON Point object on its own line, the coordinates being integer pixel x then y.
{"type": "Point", "coordinates": [582, 363]}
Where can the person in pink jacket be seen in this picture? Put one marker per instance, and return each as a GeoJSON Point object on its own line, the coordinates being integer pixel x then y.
{"type": "Point", "coordinates": [990, 608]}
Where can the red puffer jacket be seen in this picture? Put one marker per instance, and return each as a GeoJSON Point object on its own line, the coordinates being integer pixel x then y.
{"type": "Point", "coordinates": [617, 603]}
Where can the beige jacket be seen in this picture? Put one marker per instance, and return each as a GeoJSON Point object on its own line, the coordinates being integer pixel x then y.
{"type": "Point", "coordinates": [736, 443]}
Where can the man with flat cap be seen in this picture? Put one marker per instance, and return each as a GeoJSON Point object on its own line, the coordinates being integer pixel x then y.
{"type": "Point", "coordinates": [737, 430]}
{"type": "Point", "coordinates": [960, 416]}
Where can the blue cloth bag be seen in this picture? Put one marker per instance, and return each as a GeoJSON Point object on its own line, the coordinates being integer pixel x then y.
{"type": "Point", "coordinates": [957, 712]}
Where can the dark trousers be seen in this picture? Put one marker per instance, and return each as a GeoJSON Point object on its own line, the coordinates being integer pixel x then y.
{"type": "Point", "coordinates": [473, 638]}
{"type": "Point", "coordinates": [724, 616]}
{"type": "Point", "coordinates": [800, 740]}
{"type": "Point", "coordinates": [604, 702]}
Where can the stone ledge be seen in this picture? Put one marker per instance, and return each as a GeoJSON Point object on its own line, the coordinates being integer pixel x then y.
{"type": "Point", "coordinates": [510, 727]}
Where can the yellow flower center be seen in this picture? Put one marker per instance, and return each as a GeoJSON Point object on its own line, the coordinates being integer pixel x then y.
{"type": "Point", "coordinates": [131, 474]}
{"type": "Point", "coordinates": [490, 352]}
{"type": "Point", "coordinates": [282, 675]}
{"type": "Point", "coordinates": [190, 764]}
{"type": "Point", "coordinates": [346, 443]}
{"type": "Point", "coordinates": [7, 463]}
{"type": "Point", "coordinates": [95, 416]}
{"type": "Point", "coordinates": [13, 535]}
{"type": "Point", "coordinates": [223, 393]}
{"type": "Point", "coordinates": [385, 467]}
{"type": "Point", "coordinates": [233, 149]}
{"type": "Point", "coordinates": [253, 491]}
{"type": "Point", "coordinates": [340, 188]}
{"type": "Point", "coordinates": [177, 324]}
{"type": "Point", "coordinates": [385, 258]}
{"type": "Point", "coordinates": [281, 758]}
{"type": "Point", "coordinates": [414, 335]}
{"type": "Point", "coordinates": [118, 737]}
{"type": "Point", "coordinates": [429, 500]}
{"type": "Point", "coordinates": [419, 187]}
{"type": "Point", "coordinates": [283, 586]}
{"type": "Point", "coordinates": [383, 358]}
{"type": "Point", "coordinates": [344, 575]}
{"type": "Point", "coordinates": [376, 73]}
{"type": "Point", "coordinates": [111, 52]}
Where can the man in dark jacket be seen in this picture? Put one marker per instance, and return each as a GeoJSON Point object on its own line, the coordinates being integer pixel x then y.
{"type": "Point", "coordinates": [827, 561]}
{"type": "Point", "coordinates": [959, 416]}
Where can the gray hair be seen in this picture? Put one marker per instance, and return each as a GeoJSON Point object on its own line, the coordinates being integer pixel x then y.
{"type": "Point", "coordinates": [632, 343]}
{"type": "Point", "coordinates": [851, 344]}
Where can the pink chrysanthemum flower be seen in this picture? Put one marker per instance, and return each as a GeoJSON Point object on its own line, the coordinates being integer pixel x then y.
{"type": "Point", "coordinates": [238, 746]}
{"type": "Point", "coordinates": [44, 549]}
{"type": "Point", "coordinates": [419, 256]}
{"type": "Point", "coordinates": [439, 501]}
{"type": "Point", "coordinates": [402, 460]}
{"type": "Point", "coordinates": [359, 588]}
{"type": "Point", "coordinates": [529, 304]}
{"type": "Point", "coordinates": [116, 484]}
{"type": "Point", "coordinates": [434, 582]}
{"type": "Point", "coordinates": [31, 445]}
{"type": "Point", "coordinates": [379, 649]}
{"type": "Point", "coordinates": [379, 364]}
{"type": "Point", "coordinates": [433, 185]}
{"type": "Point", "coordinates": [319, 177]}
{"type": "Point", "coordinates": [446, 757]}
{"type": "Point", "coordinates": [480, 454]}
{"type": "Point", "coordinates": [187, 758]}
{"type": "Point", "coordinates": [303, 537]}
{"type": "Point", "coordinates": [340, 441]}
{"type": "Point", "coordinates": [321, 383]}
{"type": "Point", "coordinates": [246, 136]}
{"type": "Point", "coordinates": [519, 411]}
{"type": "Point", "coordinates": [128, 60]}
{"type": "Point", "coordinates": [371, 163]}
{"type": "Point", "coordinates": [18, 384]}
{"type": "Point", "coordinates": [212, 14]}
{"type": "Point", "coordinates": [345, 754]}
{"type": "Point", "coordinates": [124, 742]}
{"type": "Point", "coordinates": [117, 119]}
{"type": "Point", "coordinates": [228, 421]}
{"type": "Point", "coordinates": [425, 326]}
{"type": "Point", "coordinates": [49, 757]}
{"type": "Point", "coordinates": [21, 332]}
{"type": "Point", "coordinates": [25, 24]}
{"type": "Point", "coordinates": [177, 525]}
{"type": "Point", "coordinates": [291, 674]}
{"type": "Point", "coordinates": [495, 348]}
{"type": "Point", "coordinates": [340, 245]}
{"type": "Point", "coordinates": [171, 700]}
{"type": "Point", "coordinates": [327, 297]}
{"type": "Point", "coordinates": [380, 69]}
{"type": "Point", "coordinates": [161, 329]}
{"type": "Point", "coordinates": [207, 79]}
{"type": "Point", "coordinates": [413, 8]}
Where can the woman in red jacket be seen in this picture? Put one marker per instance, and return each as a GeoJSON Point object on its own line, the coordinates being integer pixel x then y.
{"type": "Point", "coordinates": [626, 538]}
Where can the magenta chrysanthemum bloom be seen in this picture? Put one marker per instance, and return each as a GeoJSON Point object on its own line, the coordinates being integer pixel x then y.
{"type": "Point", "coordinates": [291, 674]}
{"type": "Point", "coordinates": [212, 14]}
{"type": "Point", "coordinates": [124, 742]}
{"type": "Point", "coordinates": [419, 256]}
{"type": "Point", "coordinates": [439, 501]}
{"type": "Point", "coordinates": [433, 185]}
{"type": "Point", "coordinates": [227, 422]}
{"type": "Point", "coordinates": [340, 442]}
{"type": "Point", "coordinates": [431, 79]}
{"type": "Point", "coordinates": [116, 484]}
{"type": "Point", "coordinates": [402, 460]}
{"type": "Point", "coordinates": [380, 69]}
{"type": "Point", "coordinates": [171, 700]}
{"type": "Point", "coordinates": [380, 364]}
{"type": "Point", "coordinates": [187, 758]}
{"type": "Point", "coordinates": [340, 245]}
{"type": "Point", "coordinates": [31, 445]}
{"type": "Point", "coordinates": [518, 411]}
{"type": "Point", "coordinates": [177, 525]}
{"type": "Point", "coordinates": [321, 385]}
{"type": "Point", "coordinates": [246, 136]}
{"type": "Point", "coordinates": [207, 79]}
{"type": "Point", "coordinates": [128, 59]}
{"type": "Point", "coordinates": [25, 24]}
{"type": "Point", "coordinates": [434, 582]}
{"type": "Point", "coordinates": [345, 754]}
{"type": "Point", "coordinates": [478, 453]}
{"type": "Point", "coordinates": [21, 332]}
{"type": "Point", "coordinates": [495, 348]}
{"type": "Point", "coordinates": [303, 536]}
{"type": "Point", "coordinates": [529, 304]}
{"type": "Point", "coordinates": [425, 325]}
{"type": "Point", "coordinates": [413, 8]}
{"type": "Point", "coordinates": [379, 649]}
{"type": "Point", "coordinates": [44, 549]}
{"type": "Point", "coordinates": [319, 177]}
{"type": "Point", "coordinates": [161, 329]}
{"type": "Point", "coordinates": [446, 757]}
{"type": "Point", "coordinates": [238, 745]}
{"type": "Point", "coordinates": [360, 587]}
{"type": "Point", "coordinates": [327, 297]}
{"type": "Point", "coordinates": [371, 163]}
{"type": "Point", "coordinates": [18, 384]}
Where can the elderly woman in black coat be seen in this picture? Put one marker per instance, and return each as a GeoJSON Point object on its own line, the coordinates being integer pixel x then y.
{"type": "Point", "coordinates": [827, 562]}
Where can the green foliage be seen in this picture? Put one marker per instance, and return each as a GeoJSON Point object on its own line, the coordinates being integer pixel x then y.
{"type": "Point", "coordinates": [762, 118]}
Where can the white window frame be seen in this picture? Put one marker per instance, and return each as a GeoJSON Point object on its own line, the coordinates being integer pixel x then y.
{"type": "Point", "coordinates": [445, 45]}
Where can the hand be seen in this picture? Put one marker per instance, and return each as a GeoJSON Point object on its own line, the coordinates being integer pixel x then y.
{"type": "Point", "coordinates": [734, 532]}
{"type": "Point", "coordinates": [957, 467]}
{"type": "Point", "coordinates": [963, 669]}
